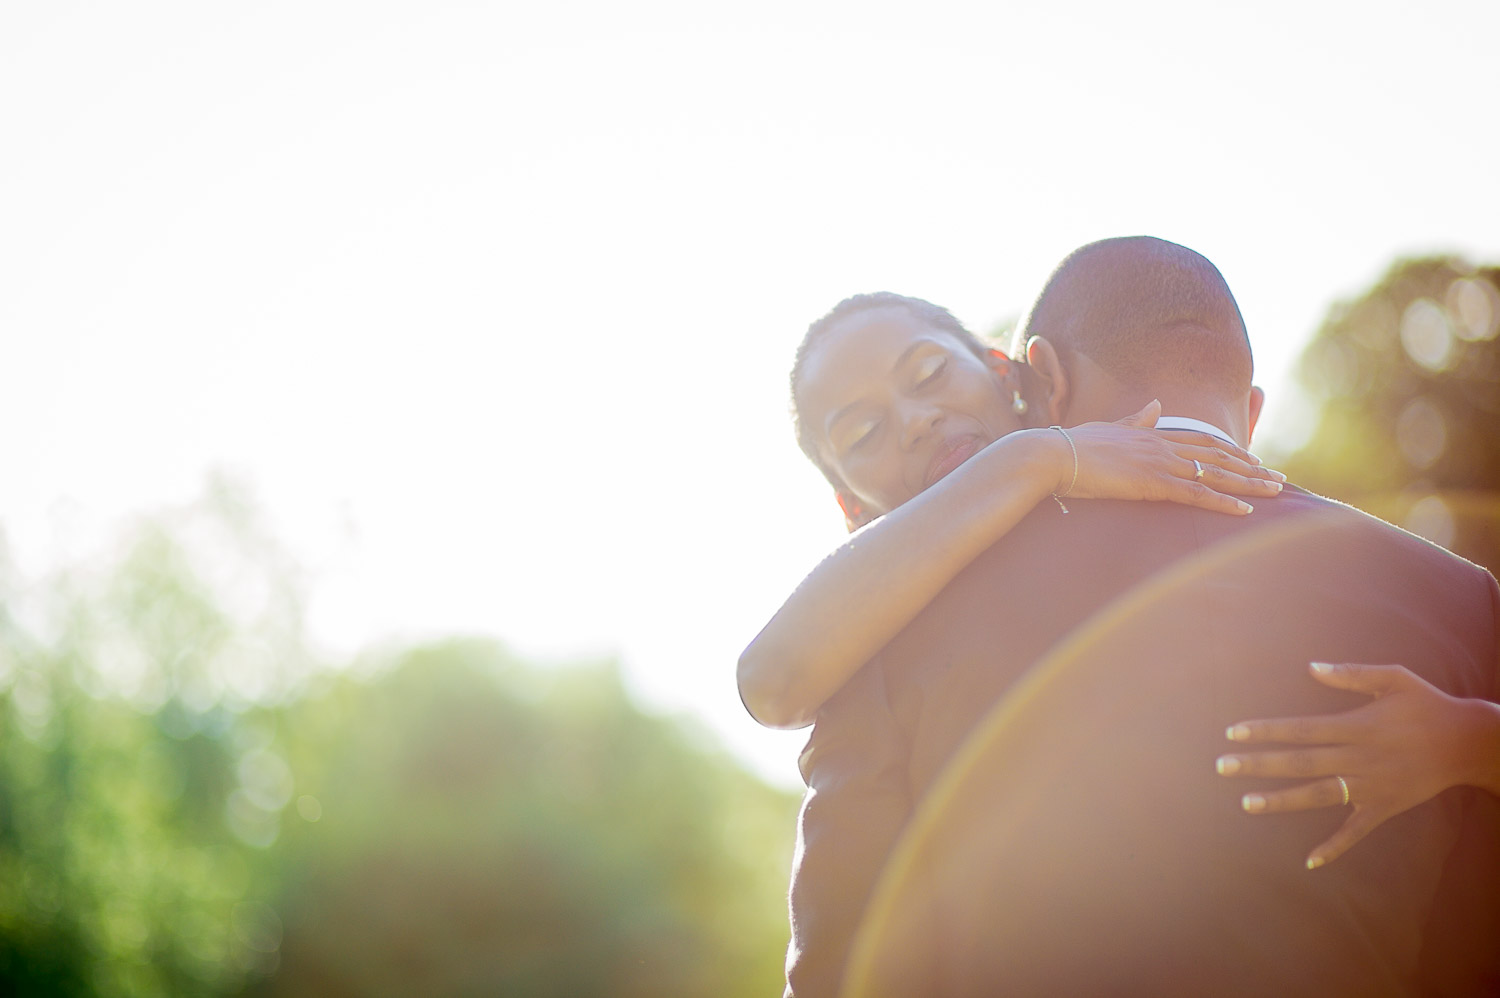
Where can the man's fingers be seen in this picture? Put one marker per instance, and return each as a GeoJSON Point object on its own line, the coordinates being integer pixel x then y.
{"type": "Point", "coordinates": [1376, 680]}
{"type": "Point", "coordinates": [1359, 824]}
{"type": "Point", "coordinates": [1292, 764]}
{"type": "Point", "coordinates": [1304, 797]}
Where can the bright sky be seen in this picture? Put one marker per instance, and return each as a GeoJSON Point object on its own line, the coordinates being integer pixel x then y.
{"type": "Point", "coordinates": [493, 304]}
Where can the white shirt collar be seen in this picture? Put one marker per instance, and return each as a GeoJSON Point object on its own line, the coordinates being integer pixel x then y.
{"type": "Point", "coordinates": [1188, 423]}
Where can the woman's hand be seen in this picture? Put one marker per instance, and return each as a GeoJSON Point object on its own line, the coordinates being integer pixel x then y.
{"type": "Point", "coordinates": [1413, 742]}
{"type": "Point", "coordinates": [1129, 460]}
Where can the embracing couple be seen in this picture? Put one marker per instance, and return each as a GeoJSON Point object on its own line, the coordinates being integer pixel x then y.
{"type": "Point", "coordinates": [1038, 698]}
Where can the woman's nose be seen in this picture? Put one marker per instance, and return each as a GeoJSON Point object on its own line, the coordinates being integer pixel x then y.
{"type": "Point", "coordinates": [917, 421]}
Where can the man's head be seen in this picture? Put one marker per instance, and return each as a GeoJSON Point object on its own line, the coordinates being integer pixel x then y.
{"type": "Point", "coordinates": [1122, 321]}
{"type": "Point", "coordinates": [890, 393]}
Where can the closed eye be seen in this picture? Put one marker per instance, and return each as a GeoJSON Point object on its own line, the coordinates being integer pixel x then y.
{"type": "Point", "coordinates": [930, 367]}
{"type": "Point", "coordinates": [862, 434]}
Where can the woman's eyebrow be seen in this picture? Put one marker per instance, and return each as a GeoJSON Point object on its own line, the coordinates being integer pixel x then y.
{"type": "Point", "coordinates": [900, 362]}
{"type": "Point", "coordinates": [906, 354]}
{"type": "Point", "coordinates": [839, 414]}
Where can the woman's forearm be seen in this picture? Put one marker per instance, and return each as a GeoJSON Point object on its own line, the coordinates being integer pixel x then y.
{"type": "Point", "coordinates": [862, 595]}
{"type": "Point", "coordinates": [1480, 764]}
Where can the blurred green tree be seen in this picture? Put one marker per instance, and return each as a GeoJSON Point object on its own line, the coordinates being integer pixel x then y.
{"type": "Point", "coordinates": [486, 829]}
{"type": "Point", "coordinates": [122, 704]}
{"type": "Point", "coordinates": [191, 806]}
{"type": "Point", "coordinates": [1404, 386]}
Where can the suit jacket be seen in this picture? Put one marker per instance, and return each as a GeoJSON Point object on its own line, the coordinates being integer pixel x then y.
{"type": "Point", "coordinates": [1069, 835]}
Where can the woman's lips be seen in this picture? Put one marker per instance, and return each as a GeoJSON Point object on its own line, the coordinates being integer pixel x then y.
{"type": "Point", "coordinates": [952, 454]}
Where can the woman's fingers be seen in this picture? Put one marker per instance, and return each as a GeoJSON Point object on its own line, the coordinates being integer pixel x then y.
{"type": "Point", "coordinates": [1286, 764]}
{"type": "Point", "coordinates": [1304, 797]}
{"type": "Point", "coordinates": [1253, 482]}
{"type": "Point", "coordinates": [1146, 417]}
{"type": "Point", "coordinates": [1207, 441]}
{"type": "Point", "coordinates": [1309, 796]}
{"type": "Point", "coordinates": [1392, 753]}
{"type": "Point", "coordinates": [1191, 492]}
{"type": "Point", "coordinates": [1376, 680]}
{"type": "Point", "coordinates": [1214, 459]}
{"type": "Point", "coordinates": [1359, 824]}
{"type": "Point", "coordinates": [1215, 488]}
{"type": "Point", "coordinates": [1315, 730]}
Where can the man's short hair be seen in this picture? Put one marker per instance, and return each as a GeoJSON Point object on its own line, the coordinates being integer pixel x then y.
{"type": "Point", "coordinates": [934, 315]}
{"type": "Point", "coordinates": [1148, 312]}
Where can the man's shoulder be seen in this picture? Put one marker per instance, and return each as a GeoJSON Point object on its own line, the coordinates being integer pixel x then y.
{"type": "Point", "coordinates": [1055, 570]}
{"type": "Point", "coordinates": [1349, 524]}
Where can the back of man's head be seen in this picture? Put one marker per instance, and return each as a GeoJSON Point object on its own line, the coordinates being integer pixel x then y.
{"type": "Point", "coordinates": [1149, 313]}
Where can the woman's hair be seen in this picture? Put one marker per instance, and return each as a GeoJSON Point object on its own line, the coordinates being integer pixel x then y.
{"type": "Point", "coordinates": [935, 315]}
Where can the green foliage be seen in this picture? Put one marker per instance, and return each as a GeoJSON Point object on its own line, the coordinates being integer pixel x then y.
{"type": "Point", "coordinates": [1406, 381]}
{"type": "Point", "coordinates": [118, 875]}
{"type": "Point", "coordinates": [488, 831]}
{"type": "Point", "coordinates": [189, 807]}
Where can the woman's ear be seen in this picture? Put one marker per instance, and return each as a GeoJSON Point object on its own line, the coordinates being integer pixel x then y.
{"type": "Point", "coordinates": [1042, 358]}
{"type": "Point", "coordinates": [1013, 381]}
{"type": "Point", "coordinates": [855, 515]}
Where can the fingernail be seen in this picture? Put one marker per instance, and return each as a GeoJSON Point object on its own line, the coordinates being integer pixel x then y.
{"type": "Point", "coordinates": [1237, 732]}
{"type": "Point", "coordinates": [1274, 486]}
{"type": "Point", "coordinates": [1253, 457]}
{"type": "Point", "coordinates": [1313, 862]}
{"type": "Point", "coordinates": [1245, 507]}
{"type": "Point", "coordinates": [1227, 765]}
{"type": "Point", "coordinates": [1322, 668]}
{"type": "Point", "coordinates": [1276, 474]}
{"type": "Point", "coordinates": [1253, 802]}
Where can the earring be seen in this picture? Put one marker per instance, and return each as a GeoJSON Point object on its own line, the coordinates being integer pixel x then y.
{"type": "Point", "coordinates": [1018, 404]}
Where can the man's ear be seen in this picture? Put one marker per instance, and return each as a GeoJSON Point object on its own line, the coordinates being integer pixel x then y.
{"type": "Point", "coordinates": [1257, 401]}
{"type": "Point", "coordinates": [1044, 361]}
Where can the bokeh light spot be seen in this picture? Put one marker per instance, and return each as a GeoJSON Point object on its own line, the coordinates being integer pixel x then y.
{"type": "Point", "coordinates": [1421, 433]}
{"type": "Point", "coordinates": [1431, 518]}
{"type": "Point", "coordinates": [1475, 307]}
{"type": "Point", "coordinates": [267, 779]}
{"type": "Point", "coordinates": [309, 807]}
{"type": "Point", "coordinates": [1426, 335]}
{"type": "Point", "coordinates": [250, 823]}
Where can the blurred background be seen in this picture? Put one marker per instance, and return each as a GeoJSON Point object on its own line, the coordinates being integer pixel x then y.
{"type": "Point", "coordinates": [398, 454]}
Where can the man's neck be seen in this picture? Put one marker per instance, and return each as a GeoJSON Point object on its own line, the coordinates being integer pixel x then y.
{"type": "Point", "coordinates": [1093, 394]}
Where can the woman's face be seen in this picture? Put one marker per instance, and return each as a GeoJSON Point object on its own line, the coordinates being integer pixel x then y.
{"type": "Point", "coordinates": [893, 404]}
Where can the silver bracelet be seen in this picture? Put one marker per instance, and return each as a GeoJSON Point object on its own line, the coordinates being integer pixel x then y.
{"type": "Point", "coordinates": [1056, 496]}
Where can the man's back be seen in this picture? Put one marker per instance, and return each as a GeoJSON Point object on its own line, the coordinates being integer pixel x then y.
{"type": "Point", "coordinates": [1083, 842]}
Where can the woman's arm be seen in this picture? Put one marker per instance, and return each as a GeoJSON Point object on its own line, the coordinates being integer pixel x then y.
{"type": "Point", "coordinates": [1410, 744]}
{"type": "Point", "coordinates": [873, 585]}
